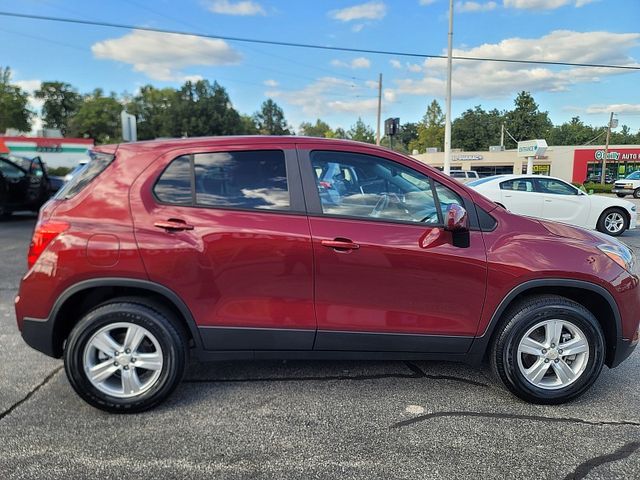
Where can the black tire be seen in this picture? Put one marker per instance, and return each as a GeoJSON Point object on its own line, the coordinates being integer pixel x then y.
{"type": "Point", "coordinates": [621, 195]}
{"type": "Point", "coordinates": [525, 315]}
{"type": "Point", "coordinates": [160, 322]}
{"type": "Point", "coordinates": [600, 226]}
{"type": "Point", "coordinates": [636, 193]}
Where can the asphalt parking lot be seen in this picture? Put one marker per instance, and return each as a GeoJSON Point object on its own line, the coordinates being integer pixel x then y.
{"type": "Point", "coordinates": [306, 419]}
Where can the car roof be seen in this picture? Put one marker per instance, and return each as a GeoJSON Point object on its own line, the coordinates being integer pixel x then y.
{"type": "Point", "coordinates": [171, 143]}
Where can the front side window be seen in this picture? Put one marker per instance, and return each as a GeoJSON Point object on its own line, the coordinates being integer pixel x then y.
{"type": "Point", "coordinates": [357, 185]}
{"type": "Point", "coordinates": [555, 187]}
{"type": "Point", "coordinates": [634, 176]}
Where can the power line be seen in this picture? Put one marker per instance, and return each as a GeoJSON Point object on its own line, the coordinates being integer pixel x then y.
{"type": "Point", "coordinates": [306, 45]}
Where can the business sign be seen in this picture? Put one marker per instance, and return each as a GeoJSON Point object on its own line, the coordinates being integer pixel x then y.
{"type": "Point", "coordinates": [616, 155]}
{"type": "Point", "coordinates": [462, 158]}
{"type": "Point", "coordinates": [532, 148]}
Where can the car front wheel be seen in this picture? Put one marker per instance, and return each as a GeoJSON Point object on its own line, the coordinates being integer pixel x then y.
{"type": "Point", "coordinates": [549, 350]}
{"type": "Point", "coordinates": [125, 356]}
{"type": "Point", "coordinates": [613, 221]}
{"type": "Point", "coordinates": [620, 195]}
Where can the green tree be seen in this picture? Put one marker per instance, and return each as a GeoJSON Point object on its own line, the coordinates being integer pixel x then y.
{"type": "Point", "coordinates": [337, 133]}
{"type": "Point", "coordinates": [319, 129]}
{"type": "Point", "coordinates": [361, 132]}
{"type": "Point", "coordinates": [624, 137]}
{"type": "Point", "coordinates": [14, 112]}
{"type": "Point", "coordinates": [526, 121]}
{"type": "Point", "coordinates": [476, 129]}
{"type": "Point", "coordinates": [573, 132]}
{"type": "Point", "coordinates": [430, 130]}
{"type": "Point", "coordinates": [270, 119]}
{"type": "Point", "coordinates": [61, 102]}
{"type": "Point", "coordinates": [98, 117]}
{"type": "Point", "coordinates": [249, 126]}
{"type": "Point", "coordinates": [154, 108]}
{"type": "Point", "coordinates": [204, 109]}
{"type": "Point", "coordinates": [407, 134]}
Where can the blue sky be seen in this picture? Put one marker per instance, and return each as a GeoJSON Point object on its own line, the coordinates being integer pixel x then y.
{"type": "Point", "coordinates": [340, 87]}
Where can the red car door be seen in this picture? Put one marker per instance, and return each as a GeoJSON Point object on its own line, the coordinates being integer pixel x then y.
{"type": "Point", "coordinates": [388, 277]}
{"type": "Point", "coordinates": [224, 227]}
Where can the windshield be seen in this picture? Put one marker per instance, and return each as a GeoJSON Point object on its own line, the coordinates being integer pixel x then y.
{"type": "Point", "coordinates": [22, 162]}
{"type": "Point", "coordinates": [634, 176]}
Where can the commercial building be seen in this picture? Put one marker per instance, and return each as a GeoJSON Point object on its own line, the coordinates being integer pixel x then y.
{"type": "Point", "coordinates": [54, 151]}
{"type": "Point", "coordinates": [571, 163]}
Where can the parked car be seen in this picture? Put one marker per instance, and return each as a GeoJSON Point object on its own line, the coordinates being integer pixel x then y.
{"type": "Point", "coordinates": [628, 186]}
{"type": "Point", "coordinates": [464, 176]}
{"type": "Point", "coordinates": [227, 248]}
{"type": "Point", "coordinates": [554, 199]}
{"type": "Point", "coordinates": [24, 184]}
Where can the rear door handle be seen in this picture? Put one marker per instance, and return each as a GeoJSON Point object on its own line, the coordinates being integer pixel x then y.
{"type": "Point", "coordinates": [173, 225]}
{"type": "Point", "coordinates": [340, 244]}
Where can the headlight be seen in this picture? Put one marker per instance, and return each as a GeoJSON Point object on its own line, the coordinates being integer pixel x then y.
{"type": "Point", "coordinates": [620, 254]}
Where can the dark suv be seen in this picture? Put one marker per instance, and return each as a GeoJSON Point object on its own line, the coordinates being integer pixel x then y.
{"type": "Point", "coordinates": [278, 247]}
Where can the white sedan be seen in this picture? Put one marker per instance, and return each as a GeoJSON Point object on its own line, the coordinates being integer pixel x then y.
{"type": "Point", "coordinates": [554, 199]}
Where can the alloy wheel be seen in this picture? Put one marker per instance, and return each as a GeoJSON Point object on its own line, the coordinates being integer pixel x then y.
{"type": "Point", "coordinates": [553, 354]}
{"type": "Point", "coordinates": [123, 360]}
{"type": "Point", "coordinates": [614, 222]}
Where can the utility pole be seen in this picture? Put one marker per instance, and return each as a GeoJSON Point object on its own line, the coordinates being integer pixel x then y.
{"type": "Point", "coordinates": [379, 108]}
{"type": "Point", "coordinates": [606, 151]}
{"type": "Point", "coordinates": [502, 137]}
{"type": "Point", "coordinates": [447, 119]}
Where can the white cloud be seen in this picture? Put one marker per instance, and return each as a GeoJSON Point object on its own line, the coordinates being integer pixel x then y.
{"type": "Point", "coordinates": [374, 10]}
{"type": "Point", "coordinates": [620, 108]}
{"type": "Point", "coordinates": [271, 83]}
{"type": "Point", "coordinates": [161, 55]}
{"type": "Point", "coordinates": [492, 79]}
{"type": "Point", "coordinates": [395, 63]}
{"type": "Point", "coordinates": [359, 62]}
{"type": "Point", "coordinates": [244, 8]}
{"type": "Point", "coordinates": [544, 4]}
{"type": "Point", "coordinates": [470, 6]}
{"type": "Point", "coordinates": [318, 98]}
{"type": "Point", "coordinates": [427, 2]}
{"type": "Point", "coordinates": [30, 86]}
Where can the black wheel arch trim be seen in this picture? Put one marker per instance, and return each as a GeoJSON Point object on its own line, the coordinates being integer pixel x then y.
{"type": "Point", "coordinates": [39, 333]}
{"type": "Point", "coordinates": [481, 344]}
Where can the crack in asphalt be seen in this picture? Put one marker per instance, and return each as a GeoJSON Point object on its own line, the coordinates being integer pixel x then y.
{"type": "Point", "coordinates": [417, 372]}
{"type": "Point", "coordinates": [29, 394]}
{"type": "Point", "coordinates": [585, 468]}
{"type": "Point", "coordinates": [509, 416]}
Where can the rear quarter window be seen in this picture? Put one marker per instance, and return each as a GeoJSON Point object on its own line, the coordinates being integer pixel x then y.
{"type": "Point", "coordinates": [97, 164]}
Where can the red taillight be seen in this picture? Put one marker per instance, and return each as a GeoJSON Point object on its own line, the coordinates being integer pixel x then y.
{"type": "Point", "coordinates": [42, 237]}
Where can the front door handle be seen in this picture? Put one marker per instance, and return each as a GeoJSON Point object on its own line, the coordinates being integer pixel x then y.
{"type": "Point", "coordinates": [340, 244]}
{"type": "Point", "coordinates": [173, 225]}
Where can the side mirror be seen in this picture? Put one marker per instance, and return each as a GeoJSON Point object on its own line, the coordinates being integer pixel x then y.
{"type": "Point", "coordinates": [457, 219]}
{"type": "Point", "coordinates": [457, 222]}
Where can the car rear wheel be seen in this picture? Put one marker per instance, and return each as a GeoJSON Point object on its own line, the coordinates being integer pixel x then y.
{"type": "Point", "coordinates": [620, 195]}
{"type": "Point", "coordinates": [636, 193]}
{"type": "Point", "coordinates": [613, 221]}
{"type": "Point", "coordinates": [125, 356]}
{"type": "Point", "coordinates": [549, 350]}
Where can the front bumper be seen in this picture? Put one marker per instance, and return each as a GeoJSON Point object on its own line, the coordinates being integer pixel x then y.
{"type": "Point", "coordinates": [624, 191]}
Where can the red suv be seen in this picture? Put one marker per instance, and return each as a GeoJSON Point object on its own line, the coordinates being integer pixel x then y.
{"type": "Point", "coordinates": [287, 247]}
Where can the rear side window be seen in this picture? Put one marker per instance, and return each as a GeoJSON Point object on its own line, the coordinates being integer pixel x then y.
{"type": "Point", "coordinates": [243, 180]}
{"type": "Point", "coordinates": [97, 164]}
{"type": "Point", "coordinates": [519, 185]}
{"type": "Point", "coordinates": [174, 185]}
